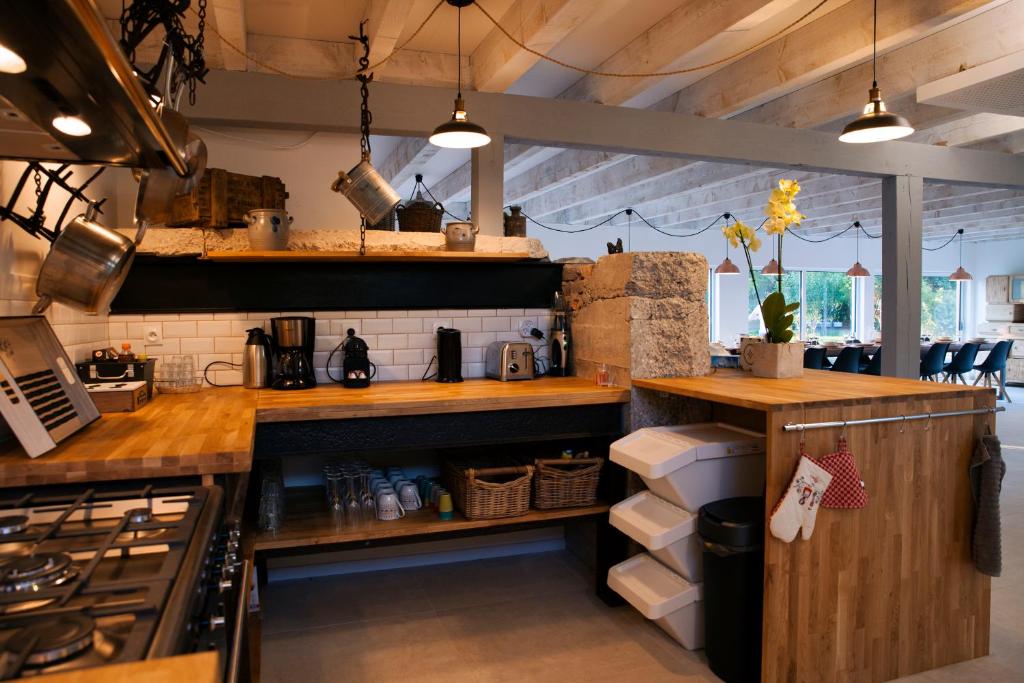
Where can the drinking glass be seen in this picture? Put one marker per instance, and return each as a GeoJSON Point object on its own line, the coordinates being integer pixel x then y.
{"type": "Point", "coordinates": [271, 507]}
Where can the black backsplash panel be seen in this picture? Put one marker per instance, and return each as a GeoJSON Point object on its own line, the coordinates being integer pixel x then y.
{"type": "Point", "coordinates": [160, 284]}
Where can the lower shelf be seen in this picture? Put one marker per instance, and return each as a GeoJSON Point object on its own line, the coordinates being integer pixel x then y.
{"type": "Point", "coordinates": [308, 522]}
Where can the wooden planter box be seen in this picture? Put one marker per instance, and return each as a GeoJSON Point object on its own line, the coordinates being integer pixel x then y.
{"type": "Point", "coordinates": [772, 360]}
{"type": "Point", "coordinates": [222, 198]}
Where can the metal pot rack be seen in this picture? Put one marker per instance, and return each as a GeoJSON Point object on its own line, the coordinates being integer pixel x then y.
{"type": "Point", "coordinates": [802, 427]}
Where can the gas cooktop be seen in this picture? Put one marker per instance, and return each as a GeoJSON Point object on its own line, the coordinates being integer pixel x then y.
{"type": "Point", "coordinates": [86, 576]}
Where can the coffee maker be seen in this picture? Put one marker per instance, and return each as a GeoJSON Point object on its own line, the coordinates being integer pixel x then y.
{"type": "Point", "coordinates": [357, 370]}
{"type": "Point", "coordinates": [449, 355]}
{"type": "Point", "coordinates": [293, 352]}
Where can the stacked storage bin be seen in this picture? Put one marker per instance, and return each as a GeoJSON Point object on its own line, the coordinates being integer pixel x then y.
{"type": "Point", "coordinates": [684, 467]}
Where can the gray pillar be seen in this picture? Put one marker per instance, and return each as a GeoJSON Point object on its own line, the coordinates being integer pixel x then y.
{"type": "Point", "coordinates": [901, 275]}
{"type": "Point", "coordinates": [488, 185]}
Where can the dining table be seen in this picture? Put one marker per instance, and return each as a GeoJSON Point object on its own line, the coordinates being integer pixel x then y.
{"type": "Point", "coordinates": [833, 350]}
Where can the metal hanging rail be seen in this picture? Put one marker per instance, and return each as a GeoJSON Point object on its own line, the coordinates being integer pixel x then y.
{"type": "Point", "coordinates": [800, 427]}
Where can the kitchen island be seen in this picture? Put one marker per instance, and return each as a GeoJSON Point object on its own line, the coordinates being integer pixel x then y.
{"type": "Point", "coordinates": [881, 592]}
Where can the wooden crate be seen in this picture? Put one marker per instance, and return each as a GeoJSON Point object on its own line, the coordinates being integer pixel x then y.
{"type": "Point", "coordinates": [221, 199]}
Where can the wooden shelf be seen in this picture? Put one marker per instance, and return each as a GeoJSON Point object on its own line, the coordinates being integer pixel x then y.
{"type": "Point", "coordinates": [378, 256]}
{"type": "Point", "coordinates": [308, 522]}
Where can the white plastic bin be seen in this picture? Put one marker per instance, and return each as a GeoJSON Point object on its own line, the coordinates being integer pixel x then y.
{"type": "Point", "coordinates": [690, 465]}
{"type": "Point", "coordinates": [667, 531]}
{"type": "Point", "coordinates": [662, 596]}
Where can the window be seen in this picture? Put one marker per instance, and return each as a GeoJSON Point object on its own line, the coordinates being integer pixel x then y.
{"type": "Point", "coordinates": [940, 306]}
{"type": "Point", "coordinates": [828, 305]}
{"type": "Point", "coordinates": [943, 302]}
{"type": "Point", "coordinates": [766, 284]}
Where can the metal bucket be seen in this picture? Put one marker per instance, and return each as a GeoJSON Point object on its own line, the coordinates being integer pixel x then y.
{"type": "Point", "coordinates": [368, 191]}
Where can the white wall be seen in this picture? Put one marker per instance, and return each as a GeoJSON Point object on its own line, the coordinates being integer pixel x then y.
{"type": "Point", "coordinates": [991, 258]}
{"type": "Point", "coordinates": [306, 162]}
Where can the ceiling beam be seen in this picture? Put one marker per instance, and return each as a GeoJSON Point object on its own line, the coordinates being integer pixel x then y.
{"type": "Point", "coordinates": [970, 129]}
{"type": "Point", "coordinates": [229, 18]}
{"type": "Point", "coordinates": [1012, 143]}
{"type": "Point", "coordinates": [670, 41]}
{"type": "Point", "coordinates": [541, 24]}
{"type": "Point", "coordinates": [406, 160]}
{"type": "Point", "coordinates": [984, 37]}
{"type": "Point", "coordinates": [817, 50]}
{"type": "Point", "coordinates": [557, 172]}
{"type": "Point", "coordinates": [385, 20]}
{"type": "Point", "coordinates": [262, 100]}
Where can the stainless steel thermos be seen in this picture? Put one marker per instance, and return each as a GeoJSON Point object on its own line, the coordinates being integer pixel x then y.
{"type": "Point", "coordinates": [256, 360]}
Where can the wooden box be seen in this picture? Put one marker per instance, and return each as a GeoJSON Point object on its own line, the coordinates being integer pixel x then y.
{"type": "Point", "coordinates": [778, 360]}
{"type": "Point", "coordinates": [118, 397]}
{"type": "Point", "coordinates": [997, 289]}
{"type": "Point", "coordinates": [1004, 313]}
{"type": "Point", "coordinates": [221, 199]}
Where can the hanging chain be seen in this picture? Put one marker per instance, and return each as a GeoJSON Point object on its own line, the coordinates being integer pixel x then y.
{"type": "Point", "coordinates": [362, 235]}
{"type": "Point", "coordinates": [200, 41]}
{"type": "Point", "coordinates": [38, 214]}
{"type": "Point", "coordinates": [364, 78]}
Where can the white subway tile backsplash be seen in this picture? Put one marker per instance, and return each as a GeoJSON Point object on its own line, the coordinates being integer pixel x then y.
{"type": "Point", "coordinates": [393, 341]}
{"type": "Point", "coordinates": [196, 345]}
{"type": "Point", "coordinates": [180, 328]}
{"type": "Point", "coordinates": [375, 326]}
{"type": "Point", "coordinates": [213, 328]}
{"type": "Point", "coordinates": [228, 344]}
{"type": "Point", "coordinates": [467, 324]}
{"type": "Point", "coordinates": [408, 356]}
{"type": "Point", "coordinates": [407, 325]}
{"type": "Point", "coordinates": [401, 342]}
{"type": "Point", "coordinates": [496, 324]}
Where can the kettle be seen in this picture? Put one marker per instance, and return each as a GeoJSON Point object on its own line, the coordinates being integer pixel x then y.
{"type": "Point", "coordinates": [256, 363]}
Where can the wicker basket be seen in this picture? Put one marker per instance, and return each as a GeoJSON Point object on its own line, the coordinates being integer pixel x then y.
{"type": "Point", "coordinates": [490, 492]}
{"type": "Point", "coordinates": [566, 483]}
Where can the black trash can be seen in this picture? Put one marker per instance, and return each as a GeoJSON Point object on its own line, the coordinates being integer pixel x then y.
{"type": "Point", "coordinates": [732, 531]}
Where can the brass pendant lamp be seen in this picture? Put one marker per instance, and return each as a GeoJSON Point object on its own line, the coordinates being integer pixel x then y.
{"type": "Point", "coordinates": [876, 123]}
{"type": "Point", "coordinates": [459, 132]}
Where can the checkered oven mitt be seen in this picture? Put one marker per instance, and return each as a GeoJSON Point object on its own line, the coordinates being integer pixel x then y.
{"type": "Point", "coordinates": [846, 491]}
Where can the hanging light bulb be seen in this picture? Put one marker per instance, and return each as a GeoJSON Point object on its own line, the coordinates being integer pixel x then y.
{"type": "Point", "coordinates": [773, 267]}
{"type": "Point", "coordinates": [857, 270]}
{"type": "Point", "coordinates": [459, 132]}
{"type": "Point", "coordinates": [10, 61]}
{"type": "Point", "coordinates": [961, 275]}
{"type": "Point", "coordinates": [875, 124]}
{"type": "Point", "coordinates": [69, 124]}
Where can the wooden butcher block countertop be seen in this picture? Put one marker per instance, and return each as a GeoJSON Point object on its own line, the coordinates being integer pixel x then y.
{"type": "Point", "coordinates": [208, 432]}
{"type": "Point", "coordinates": [815, 388]}
{"type": "Point", "coordinates": [212, 431]}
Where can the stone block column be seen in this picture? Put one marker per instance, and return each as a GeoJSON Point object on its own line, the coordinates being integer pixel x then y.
{"type": "Point", "coordinates": [642, 314]}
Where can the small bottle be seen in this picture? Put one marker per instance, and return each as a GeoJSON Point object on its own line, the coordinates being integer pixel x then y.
{"type": "Point", "coordinates": [126, 355]}
{"type": "Point", "coordinates": [567, 454]}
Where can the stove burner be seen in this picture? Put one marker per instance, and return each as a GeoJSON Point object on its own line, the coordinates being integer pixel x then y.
{"type": "Point", "coordinates": [140, 515]}
{"type": "Point", "coordinates": [32, 572]}
{"type": "Point", "coordinates": [13, 524]}
{"type": "Point", "coordinates": [52, 640]}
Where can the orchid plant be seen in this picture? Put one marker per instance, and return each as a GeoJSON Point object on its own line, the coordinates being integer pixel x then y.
{"type": "Point", "coordinates": [781, 212]}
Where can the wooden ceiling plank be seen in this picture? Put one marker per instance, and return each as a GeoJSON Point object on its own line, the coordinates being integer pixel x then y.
{"type": "Point", "coordinates": [541, 24]}
{"type": "Point", "coordinates": [229, 18]}
{"type": "Point", "coordinates": [407, 159]}
{"type": "Point", "coordinates": [385, 20]}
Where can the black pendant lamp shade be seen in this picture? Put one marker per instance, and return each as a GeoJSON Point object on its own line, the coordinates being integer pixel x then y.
{"type": "Point", "coordinates": [459, 132]}
{"type": "Point", "coordinates": [876, 123]}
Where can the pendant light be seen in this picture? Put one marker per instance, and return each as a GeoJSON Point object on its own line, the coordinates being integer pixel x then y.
{"type": "Point", "coordinates": [961, 275]}
{"type": "Point", "coordinates": [857, 270]}
{"type": "Point", "coordinates": [773, 267]}
{"type": "Point", "coordinates": [875, 124]}
{"type": "Point", "coordinates": [459, 132]}
{"type": "Point", "coordinates": [727, 267]}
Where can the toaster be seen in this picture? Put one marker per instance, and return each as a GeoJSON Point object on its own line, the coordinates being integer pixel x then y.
{"type": "Point", "coordinates": [509, 360]}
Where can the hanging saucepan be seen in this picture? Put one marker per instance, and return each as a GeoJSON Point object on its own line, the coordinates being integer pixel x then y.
{"type": "Point", "coordinates": [86, 266]}
{"type": "Point", "coordinates": [88, 262]}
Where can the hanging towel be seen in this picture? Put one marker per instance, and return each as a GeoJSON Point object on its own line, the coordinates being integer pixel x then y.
{"type": "Point", "coordinates": [986, 472]}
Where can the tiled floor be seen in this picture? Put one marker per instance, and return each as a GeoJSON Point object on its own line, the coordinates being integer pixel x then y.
{"type": "Point", "coordinates": [533, 618]}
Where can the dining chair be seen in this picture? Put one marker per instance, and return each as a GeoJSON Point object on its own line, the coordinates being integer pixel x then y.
{"type": "Point", "coordinates": [995, 366]}
{"type": "Point", "coordinates": [933, 361]}
{"type": "Point", "coordinates": [848, 359]}
{"type": "Point", "coordinates": [814, 358]}
{"type": "Point", "coordinates": [873, 366]}
{"type": "Point", "coordinates": [963, 362]}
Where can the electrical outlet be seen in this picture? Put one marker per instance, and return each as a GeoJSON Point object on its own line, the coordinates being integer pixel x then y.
{"type": "Point", "coordinates": [153, 335]}
{"type": "Point", "coordinates": [439, 323]}
{"type": "Point", "coordinates": [525, 325]}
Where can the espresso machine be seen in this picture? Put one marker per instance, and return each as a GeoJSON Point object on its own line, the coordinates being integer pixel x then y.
{"type": "Point", "coordinates": [560, 344]}
{"type": "Point", "coordinates": [292, 340]}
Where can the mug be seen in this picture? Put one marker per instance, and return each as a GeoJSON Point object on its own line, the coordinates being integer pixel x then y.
{"type": "Point", "coordinates": [409, 496]}
{"type": "Point", "coordinates": [444, 507]}
{"type": "Point", "coordinates": [382, 486]}
{"type": "Point", "coordinates": [388, 506]}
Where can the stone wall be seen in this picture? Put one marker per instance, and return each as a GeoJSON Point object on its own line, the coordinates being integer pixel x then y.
{"type": "Point", "coordinates": [642, 314]}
